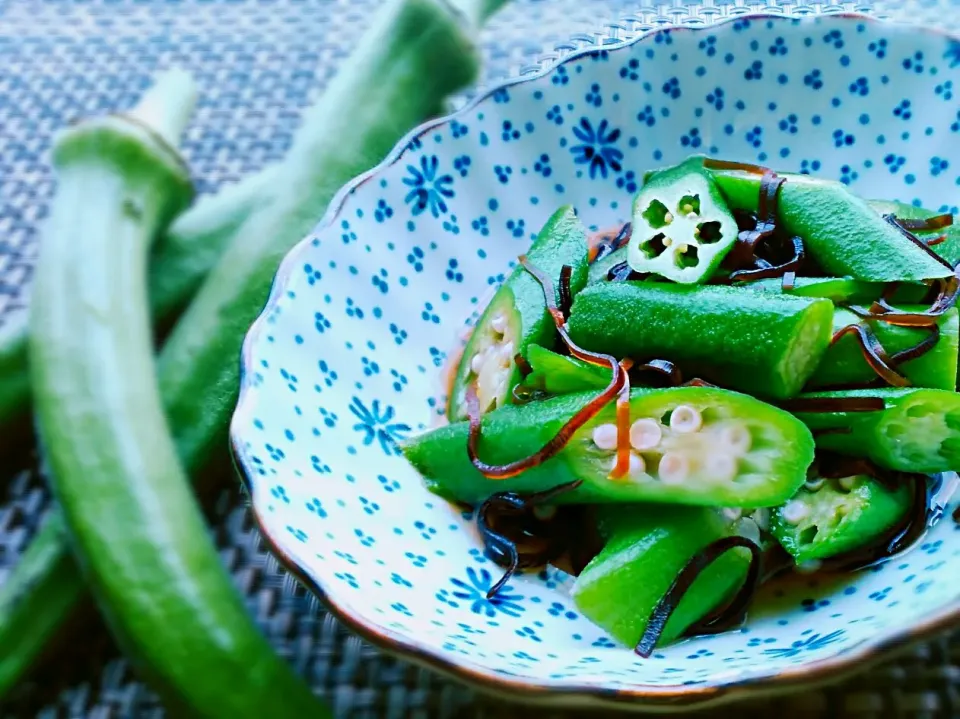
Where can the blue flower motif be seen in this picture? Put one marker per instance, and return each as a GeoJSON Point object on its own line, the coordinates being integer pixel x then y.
{"type": "Point", "coordinates": [429, 189]}
{"type": "Point", "coordinates": [811, 643]}
{"type": "Point", "coordinates": [379, 426]}
{"type": "Point", "coordinates": [597, 148]}
{"type": "Point", "coordinates": [476, 592]}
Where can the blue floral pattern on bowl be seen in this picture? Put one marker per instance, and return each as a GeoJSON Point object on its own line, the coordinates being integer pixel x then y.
{"type": "Point", "coordinates": [345, 361]}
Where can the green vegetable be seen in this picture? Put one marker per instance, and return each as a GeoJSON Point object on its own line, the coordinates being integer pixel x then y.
{"type": "Point", "coordinates": [517, 316]}
{"type": "Point", "coordinates": [917, 431]}
{"type": "Point", "coordinates": [413, 56]}
{"type": "Point", "coordinates": [195, 241]}
{"type": "Point", "coordinates": [836, 289]}
{"type": "Point", "coordinates": [181, 258]}
{"type": "Point", "coordinates": [843, 363]}
{"type": "Point", "coordinates": [832, 516]}
{"type": "Point", "coordinates": [765, 345]}
{"type": "Point", "coordinates": [949, 249]}
{"type": "Point", "coordinates": [113, 467]}
{"type": "Point", "coordinates": [645, 551]}
{"type": "Point", "coordinates": [561, 374]}
{"type": "Point", "coordinates": [840, 231]}
{"type": "Point", "coordinates": [34, 610]}
{"type": "Point", "coordinates": [682, 228]}
{"type": "Point", "coordinates": [691, 445]}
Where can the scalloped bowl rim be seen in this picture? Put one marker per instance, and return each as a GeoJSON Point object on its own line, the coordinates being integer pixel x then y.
{"type": "Point", "coordinates": [850, 660]}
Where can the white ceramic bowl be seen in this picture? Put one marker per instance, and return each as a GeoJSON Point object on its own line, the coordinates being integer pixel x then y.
{"type": "Point", "coordinates": [345, 359]}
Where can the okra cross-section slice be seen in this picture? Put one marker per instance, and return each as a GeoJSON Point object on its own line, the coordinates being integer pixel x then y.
{"type": "Point", "coordinates": [839, 230]}
{"type": "Point", "coordinates": [682, 228]}
{"type": "Point", "coordinates": [828, 517]}
{"type": "Point", "coordinates": [767, 345]}
{"type": "Point", "coordinates": [646, 549]}
{"type": "Point", "coordinates": [917, 430]}
{"type": "Point", "coordinates": [517, 316]}
{"type": "Point", "coordinates": [689, 445]}
{"type": "Point", "coordinates": [844, 364]}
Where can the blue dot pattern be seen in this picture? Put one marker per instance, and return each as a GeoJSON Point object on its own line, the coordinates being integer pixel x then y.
{"type": "Point", "coordinates": [344, 364]}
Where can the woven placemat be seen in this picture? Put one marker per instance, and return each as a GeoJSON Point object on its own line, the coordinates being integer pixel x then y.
{"type": "Point", "coordinates": [259, 63]}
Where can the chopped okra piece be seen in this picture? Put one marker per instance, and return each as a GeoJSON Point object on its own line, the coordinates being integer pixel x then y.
{"type": "Point", "coordinates": [688, 445]}
{"type": "Point", "coordinates": [682, 228]}
{"type": "Point", "coordinates": [828, 517]}
{"type": "Point", "coordinates": [762, 344]}
{"type": "Point", "coordinates": [836, 289]}
{"type": "Point", "coordinates": [840, 231]}
{"type": "Point", "coordinates": [844, 364]}
{"type": "Point", "coordinates": [913, 429]}
{"type": "Point", "coordinates": [646, 549]}
{"type": "Point", "coordinates": [517, 317]}
{"type": "Point", "coordinates": [561, 374]}
{"type": "Point", "coordinates": [948, 248]}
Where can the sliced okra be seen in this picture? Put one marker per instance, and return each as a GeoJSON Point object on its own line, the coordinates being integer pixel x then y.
{"type": "Point", "coordinates": [844, 364]}
{"type": "Point", "coordinates": [517, 317]}
{"type": "Point", "coordinates": [689, 445]}
{"type": "Point", "coordinates": [646, 549]}
{"type": "Point", "coordinates": [916, 430]}
{"type": "Point", "coordinates": [767, 345]}
{"type": "Point", "coordinates": [828, 517]}
{"type": "Point", "coordinates": [843, 233]}
{"type": "Point", "coordinates": [682, 228]}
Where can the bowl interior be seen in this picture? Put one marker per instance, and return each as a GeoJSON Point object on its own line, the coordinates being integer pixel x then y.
{"type": "Point", "coordinates": [346, 359]}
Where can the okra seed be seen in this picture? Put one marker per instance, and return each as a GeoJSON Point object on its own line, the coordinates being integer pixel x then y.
{"type": "Point", "coordinates": [731, 514]}
{"type": "Point", "coordinates": [748, 529]}
{"type": "Point", "coordinates": [637, 466]}
{"type": "Point", "coordinates": [476, 363]}
{"type": "Point", "coordinates": [846, 483]}
{"type": "Point", "coordinates": [645, 434]}
{"type": "Point", "coordinates": [498, 323]}
{"type": "Point", "coordinates": [736, 438]}
{"type": "Point", "coordinates": [682, 248]}
{"type": "Point", "coordinates": [605, 436]}
{"type": "Point", "coordinates": [668, 218]}
{"type": "Point", "coordinates": [813, 485]}
{"type": "Point", "coordinates": [721, 466]}
{"type": "Point", "coordinates": [685, 419]}
{"type": "Point", "coordinates": [794, 511]}
{"type": "Point", "coordinates": [673, 468]}
{"type": "Point", "coordinates": [686, 209]}
{"type": "Point", "coordinates": [667, 241]}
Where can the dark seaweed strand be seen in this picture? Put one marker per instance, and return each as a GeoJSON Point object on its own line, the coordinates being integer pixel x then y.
{"type": "Point", "coordinates": [956, 514]}
{"type": "Point", "coordinates": [874, 353]}
{"type": "Point", "coordinates": [522, 365]}
{"type": "Point", "coordinates": [734, 612]}
{"type": "Point", "coordinates": [744, 251]}
{"type": "Point", "coordinates": [761, 273]}
{"type": "Point", "coordinates": [504, 546]}
{"type": "Point", "coordinates": [919, 349]}
{"type": "Point", "coordinates": [937, 222]}
{"type": "Point", "coordinates": [663, 368]}
{"type": "Point", "coordinates": [606, 246]}
{"type": "Point", "coordinates": [833, 404]}
{"type": "Point", "coordinates": [893, 220]}
{"type": "Point", "coordinates": [698, 563]}
{"type": "Point", "coordinates": [566, 295]}
{"type": "Point", "coordinates": [621, 272]}
{"type": "Point", "coordinates": [697, 382]}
